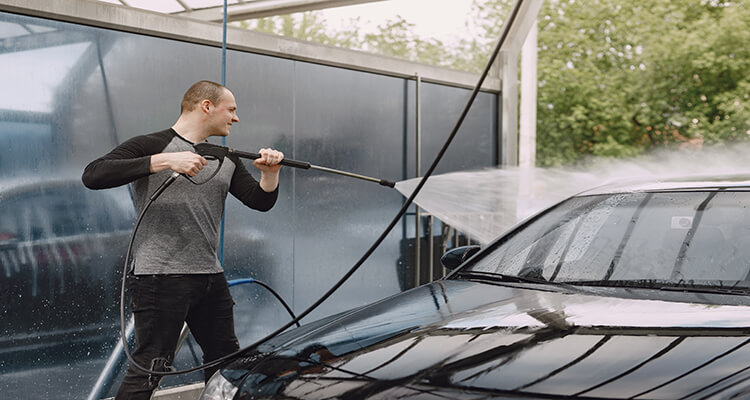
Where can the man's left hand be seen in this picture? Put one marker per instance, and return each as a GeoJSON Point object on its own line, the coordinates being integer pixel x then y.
{"type": "Point", "coordinates": [269, 160]}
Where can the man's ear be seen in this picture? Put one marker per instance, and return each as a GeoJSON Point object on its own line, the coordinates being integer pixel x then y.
{"type": "Point", "coordinates": [205, 106]}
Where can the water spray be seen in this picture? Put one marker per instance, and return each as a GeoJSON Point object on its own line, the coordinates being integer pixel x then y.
{"type": "Point", "coordinates": [503, 197]}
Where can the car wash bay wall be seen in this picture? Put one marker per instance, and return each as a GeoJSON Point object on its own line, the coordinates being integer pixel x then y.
{"type": "Point", "coordinates": [72, 92]}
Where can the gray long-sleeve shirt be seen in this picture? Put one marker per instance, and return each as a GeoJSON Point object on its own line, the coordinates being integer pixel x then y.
{"type": "Point", "coordinates": [179, 234]}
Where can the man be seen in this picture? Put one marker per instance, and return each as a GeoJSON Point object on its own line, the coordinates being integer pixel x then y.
{"type": "Point", "coordinates": [175, 275]}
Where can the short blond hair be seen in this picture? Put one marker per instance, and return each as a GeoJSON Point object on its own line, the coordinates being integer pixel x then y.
{"type": "Point", "coordinates": [199, 91]}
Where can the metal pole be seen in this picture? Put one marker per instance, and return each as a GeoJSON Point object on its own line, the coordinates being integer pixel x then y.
{"type": "Point", "coordinates": [444, 236]}
{"type": "Point", "coordinates": [223, 138]}
{"type": "Point", "coordinates": [183, 337]}
{"type": "Point", "coordinates": [383, 182]}
{"type": "Point", "coordinates": [418, 146]}
{"type": "Point", "coordinates": [112, 367]}
{"type": "Point", "coordinates": [432, 247]}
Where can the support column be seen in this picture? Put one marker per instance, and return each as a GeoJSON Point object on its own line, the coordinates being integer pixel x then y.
{"type": "Point", "coordinates": [527, 139]}
{"type": "Point", "coordinates": [418, 213]}
{"type": "Point", "coordinates": [527, 136]}
{"type": "Point", "coordinates": [509, 140]}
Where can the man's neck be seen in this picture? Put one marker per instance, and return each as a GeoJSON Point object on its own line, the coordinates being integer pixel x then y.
{"type": "Point", "coordinates": [190, 130]}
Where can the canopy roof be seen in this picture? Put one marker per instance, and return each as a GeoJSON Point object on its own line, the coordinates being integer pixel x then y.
{"type": "Point", "coordinates": [237, 10]}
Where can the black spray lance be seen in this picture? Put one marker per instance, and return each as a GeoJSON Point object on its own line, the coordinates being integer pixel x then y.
{"type": "Point", "coordinates": [212, 151]}
{"type": "Point", "coordinates": [219, 152]}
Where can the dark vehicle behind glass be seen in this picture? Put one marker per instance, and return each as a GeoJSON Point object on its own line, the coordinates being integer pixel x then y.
{"type": "Point", "coordinates": [640, 291]}
{"type": "Point", "coordinates": [61, 252]}
{"type": "Point", "coordinates": [62, 249]}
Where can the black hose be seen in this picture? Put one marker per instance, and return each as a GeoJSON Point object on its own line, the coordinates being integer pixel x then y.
{"type": "Point", "coordinates": [273, 292]}
{"type": "Point", "coordinates": [366, 255]}
{"type": "Point", "coordinates": [123, 336]}
{"type": "Point", "coordinates": [409, 200]}
{"type": "Point", "coordinates": [286, 306]}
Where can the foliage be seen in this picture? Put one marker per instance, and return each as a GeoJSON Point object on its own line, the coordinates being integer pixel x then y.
{"type": "Point", "coordinates": [394, 38]}
{"type": "Point", "coordinates": [309, 26]}
{"type": "Point", "coordinates": [616, 77]}
{"type": "Point", "coordinates": [620, 78]}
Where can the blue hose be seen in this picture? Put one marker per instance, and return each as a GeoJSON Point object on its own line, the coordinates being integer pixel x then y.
{"type": "Point", "coordinates": [223, 138]}
{"type": "Point", "coordinates": [240, 281]}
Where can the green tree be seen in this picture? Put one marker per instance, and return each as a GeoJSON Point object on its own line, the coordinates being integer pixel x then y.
{"type": "Point", "coordinates": [308, 26]}
{"type": "Point", "coordinates": [620, 78]}
{"type": "Point", "coordinates": [394, 38]}
{"type": "Point", "coordinates": [590, 55]}
{"type": "Point", "coordinates": [700, 73]}
{"type": "Point", "coordinates": [616, 77]}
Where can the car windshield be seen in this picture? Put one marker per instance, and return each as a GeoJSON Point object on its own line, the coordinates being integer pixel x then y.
{"type": "Point", "coordinates": [671, 239]}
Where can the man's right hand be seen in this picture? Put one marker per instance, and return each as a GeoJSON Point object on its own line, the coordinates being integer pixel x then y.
{"type": "Point", "coordinates": [184, 162]}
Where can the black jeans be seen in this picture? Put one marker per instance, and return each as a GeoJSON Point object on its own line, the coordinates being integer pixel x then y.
{"type": "Point", "coordinates": [161, 304]}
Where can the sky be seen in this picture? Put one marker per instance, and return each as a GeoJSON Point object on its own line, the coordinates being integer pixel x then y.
{"type": "Point", "coordinates": [444, 20]}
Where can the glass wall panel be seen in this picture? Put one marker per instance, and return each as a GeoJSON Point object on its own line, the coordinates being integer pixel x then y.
{"type": "Point", "coordinates": [61, 245]}
{"type": "Point", "coordinates": [349, 121]}
{"type": "Point", "coordinates": [474, 146]}
{"type": "Point", "coordinates": [72, 93]}
{"type": "Point", "coordinates": [260, 245]}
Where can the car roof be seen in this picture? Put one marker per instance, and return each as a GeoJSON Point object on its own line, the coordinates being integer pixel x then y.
{"type": "Point", "coordinates": [673, 183]}
{"type": "Point", "coordinates": [19, 184]}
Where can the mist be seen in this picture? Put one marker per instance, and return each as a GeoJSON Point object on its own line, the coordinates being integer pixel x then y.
{"type": "Point", "coordinates": [485, 203]}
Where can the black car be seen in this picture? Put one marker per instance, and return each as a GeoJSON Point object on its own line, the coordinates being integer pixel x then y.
{"type": "Point", "coordinates": [60, 244]}
{"type": "Point", "coordinates": [639, 291]}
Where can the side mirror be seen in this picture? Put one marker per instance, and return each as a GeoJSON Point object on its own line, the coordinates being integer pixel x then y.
{"type": "Point", "coordinates": [455, 257]}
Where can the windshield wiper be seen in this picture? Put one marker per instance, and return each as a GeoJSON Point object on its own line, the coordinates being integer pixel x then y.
{"type": "Point", "coordinates": [662, 285]}
{"type": "Point", "coordinates": [703, 289]}
{"type": "Point", "coordinates": [495, 277]}
{"type": "Point", "coordinates": [642, 284]}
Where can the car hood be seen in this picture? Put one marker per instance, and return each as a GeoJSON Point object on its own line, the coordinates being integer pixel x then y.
{"type": "Point", "coordinates": [460, 339]}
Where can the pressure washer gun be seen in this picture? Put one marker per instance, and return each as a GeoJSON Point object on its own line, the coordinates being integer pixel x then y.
{"type": "Point", "coordinates": [214, 151]}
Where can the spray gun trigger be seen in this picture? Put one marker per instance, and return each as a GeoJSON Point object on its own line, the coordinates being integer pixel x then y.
{"type": "Point", "coordinates": [208, 150]}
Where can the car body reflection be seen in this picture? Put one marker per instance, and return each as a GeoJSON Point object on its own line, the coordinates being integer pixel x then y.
{"type": "Point", "coordinates": [630, 292]}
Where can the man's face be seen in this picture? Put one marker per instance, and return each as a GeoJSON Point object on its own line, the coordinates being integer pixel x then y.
{"type": "Point", "coordinates": [223, 115]}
